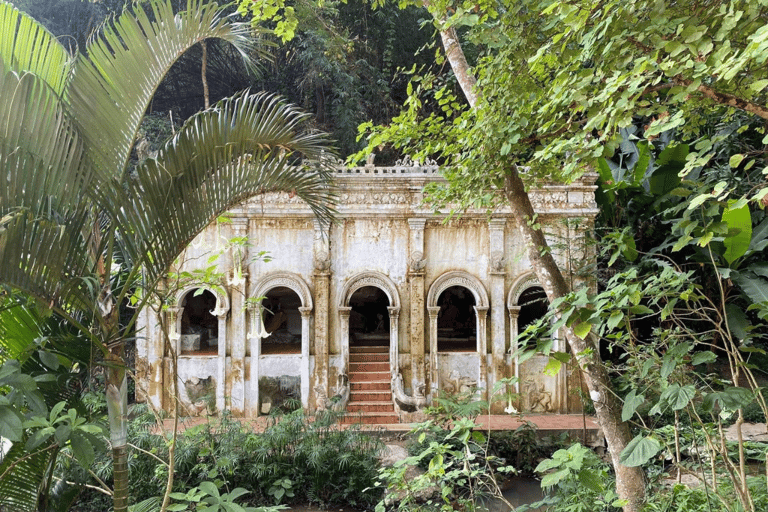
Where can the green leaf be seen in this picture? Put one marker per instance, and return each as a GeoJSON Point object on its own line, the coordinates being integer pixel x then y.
{"type": "Point", "coordinates": [10, 424]}
{"type": "Point", "coordinates": [678, 396]}
{"type": "Point", "coordinates": [755, 288]}
{"type": "Point", "coordinates": [591, 480]}
{"type": "Point", "coordinates": [553, 367]}
{"type": "Point", "coordinates": [631, 403]}
{"type": "Point", "coordinates": [739, 220]}
{"type": "Point", "coordinates": [738, 322]}
{"type": "Point", "coordinates": [82, 449]}
{"type": "Point", "coordinates": [730, 399]}
{"type": "Point", "coordinates": [703, 358]}
{"type": "Point", "coordinates": [552, 479]}
{"type": "Point", "coordinates": [615, 319]}
{"type": "Point", "coordinates": [639, 451]}
{"type": "Point", "coordinates": [582, 329]}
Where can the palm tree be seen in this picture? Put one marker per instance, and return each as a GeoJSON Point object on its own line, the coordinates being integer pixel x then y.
{"type": "Point", "coordinates": [78, 229]}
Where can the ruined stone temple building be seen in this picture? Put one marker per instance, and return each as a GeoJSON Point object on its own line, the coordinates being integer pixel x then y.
{"type": "Point", "coordinates": [391, 306]}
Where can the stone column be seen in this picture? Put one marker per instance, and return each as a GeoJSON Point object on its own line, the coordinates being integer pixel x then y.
{"type": "Point", "coordinates": [514, 313]}
{"type": "Point", "coordinates": [221, 315]}
{"type": "Point", "coordinates": [344, 338]}
{"type": "Point", "coordinates": [254, 335]}
{"type": "Point", "coordinates": [172, 316]}
{"type": "Point", "coordinates": [482, 346]}
{"type": "Point", "coordinates": [235, 340]}
{"type": "Point", "coordinates": [416, 263]}
{"type": "Point", "coordinates": [321, 281]}
{"type": "Point", "coordinates": [434, 374]}
{"type": "Point", "coordinates": [394, 339]}
{"type": "Point", "coordinates": [498, 271]}
{"type": "Point", "coordinates": [305, 311]}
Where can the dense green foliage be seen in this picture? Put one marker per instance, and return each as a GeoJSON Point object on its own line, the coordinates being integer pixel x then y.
{"type": "Point", "coordinates": [297, 459]}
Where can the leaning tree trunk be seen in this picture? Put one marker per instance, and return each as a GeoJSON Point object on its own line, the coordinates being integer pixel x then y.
{"type": "Point", "coordinates": [630, 482]}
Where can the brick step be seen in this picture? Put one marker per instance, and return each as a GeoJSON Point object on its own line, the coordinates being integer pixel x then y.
{"type": "Point", "coordinates": [370, 396]}
{"type": "Point", "coordinates": [366, 349]}
{"type": "Point", "coordinates": [375, 418]}
{"type": "Point", "coordinates": [370, 385]}
{"type": "Point", "coordinates": [353, 407]}
{"type": "Point", "coordinates": [366, 357]}
{"type": "Point", "coordinates": [369, 377]}
{"type": "Point", "coordinates": [368, 367]}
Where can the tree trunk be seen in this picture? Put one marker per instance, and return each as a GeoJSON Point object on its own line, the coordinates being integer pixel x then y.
{"type": "Point", "coordinates": [117, 411]}
{"type": "Point", "coordinates": [630, 482]}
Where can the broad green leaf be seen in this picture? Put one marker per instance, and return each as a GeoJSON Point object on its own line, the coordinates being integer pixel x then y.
{"type": "Point", "coordinates": [738, 322]}
{"type": "Point", "coordinates": [582, 329]}
{"type": "Point", "coordinates": [678, 396]}
{"type": "Point", "coordinates": [755, 288]}
{"type": "Point", "coordinates": [639, 451]}
{"type": "Point", "coordinates": [553, 367]}
{"type": "Point", "coordinates": [82, 449]}
{"type": "Point", "coordinates": [631, 403]}
{"type": "Point", "coordinates": [591, 480]}
{"type": "Point", "coordinates": [554, 478]}
{"type": "Point", "coordinates": [703, 358]}
{"type": "Point", "coordinates": [729, 399]}
{"type": "Point", "coordinates": [10, 424]}
{"type": "Point", "coordinates": [739, 219]}
{"type": "Point", "coordinates": [615, 319]}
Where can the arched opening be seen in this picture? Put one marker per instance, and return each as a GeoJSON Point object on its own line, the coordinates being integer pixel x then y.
{"type": "Point", "coordinates": [456, 321]}
{"type": "Point", "coordinates": [282, 320]}
{"type": "Point", "coordinates": [199, 327]}
{"type": "Point", "coordinates": [533, 306]}
{"type": "Point", "coordinates": [369, 317]}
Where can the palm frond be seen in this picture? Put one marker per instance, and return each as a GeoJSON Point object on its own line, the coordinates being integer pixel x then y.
{"type": "Point", "coordinates": [41, 151]}
{"type": "Point", "coordinates": [21, 476]}
{"type": "Point", "coordinates": [47, 258]}
{"type": "Point", "coordinates": [243, 146]}
{"type": "Point", "coordinates": [27, 46]}
{"type": "Point", "coordinates": [117, 78]}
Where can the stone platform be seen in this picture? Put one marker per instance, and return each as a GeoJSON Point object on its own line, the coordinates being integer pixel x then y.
{"type": "Point", "coordinates": [577, 426]}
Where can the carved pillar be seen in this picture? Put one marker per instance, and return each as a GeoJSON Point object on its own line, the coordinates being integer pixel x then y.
{"type": "Point", "coordinates": [416, 264]}
{"type": "Point", "coordinates": [322, 280]}
{"type": "Point", "coordinates": [221, 314]}
{"type": "Point", "coordinates": [481, 313]}
{"type": "Point", "coordinates": [235, 341]}
{"type": "Point", "coordinates": [394, 340]}
{"type": "Point", "coordinates": [498, 268]}
{"type": "Point", "coordinates": [514, 313]}
{"type": "Point", "coordinates": [434, 373]}
{"type": "Point", "coordinates": [255, 334]}
{"type": "Point", "coordinates": [172, 319]}
{"type": "Point", "coordinates": [305, 311]}
{"type": "Point", "coordinates": [344, 340]}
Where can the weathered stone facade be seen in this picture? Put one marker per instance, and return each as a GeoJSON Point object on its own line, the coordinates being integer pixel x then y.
{"type": "Point", "coordinates": [444, 297]}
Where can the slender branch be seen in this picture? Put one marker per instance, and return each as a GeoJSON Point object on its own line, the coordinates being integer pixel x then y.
{"type": "Point", "coordinates": [728, 99]}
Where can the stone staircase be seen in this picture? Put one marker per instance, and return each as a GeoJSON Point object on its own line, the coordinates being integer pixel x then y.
{"type": "Point", "coordinates": [370, 397]}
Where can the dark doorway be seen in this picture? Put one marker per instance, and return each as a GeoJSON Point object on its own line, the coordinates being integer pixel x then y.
{"type": "Point", "coordinates": [457, 321]}
{"type": "Point", "coordinates": [282, 320]}
{"type": "Point", "coordinates": [369, 318]}
{"type": "Point", "coordinates": [199, 328]}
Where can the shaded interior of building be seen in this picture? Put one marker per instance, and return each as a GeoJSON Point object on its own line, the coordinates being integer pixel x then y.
{"type": "Point", "coordinates": [369, 317]}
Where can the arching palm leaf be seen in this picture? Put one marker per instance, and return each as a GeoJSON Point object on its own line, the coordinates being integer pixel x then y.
{"type": "Point", "coordinates": [28, 46]}
{"type": "Point", "coordinates": [118, 76]}
{"type": "Point", "coordinates": [244, 146]}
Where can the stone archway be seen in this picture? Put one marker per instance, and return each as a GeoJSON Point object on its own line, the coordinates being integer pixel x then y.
{"type": "Point", "coordinates": [472, 284]}
{"type": "Point", "coordinates": [273, 281]}
{"type": "Point", "coordinates": [385, 284]}
{"type": "Point", "coordinates": [174, 319]}
{"type": "Point", "coordinates": [526, 302]}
